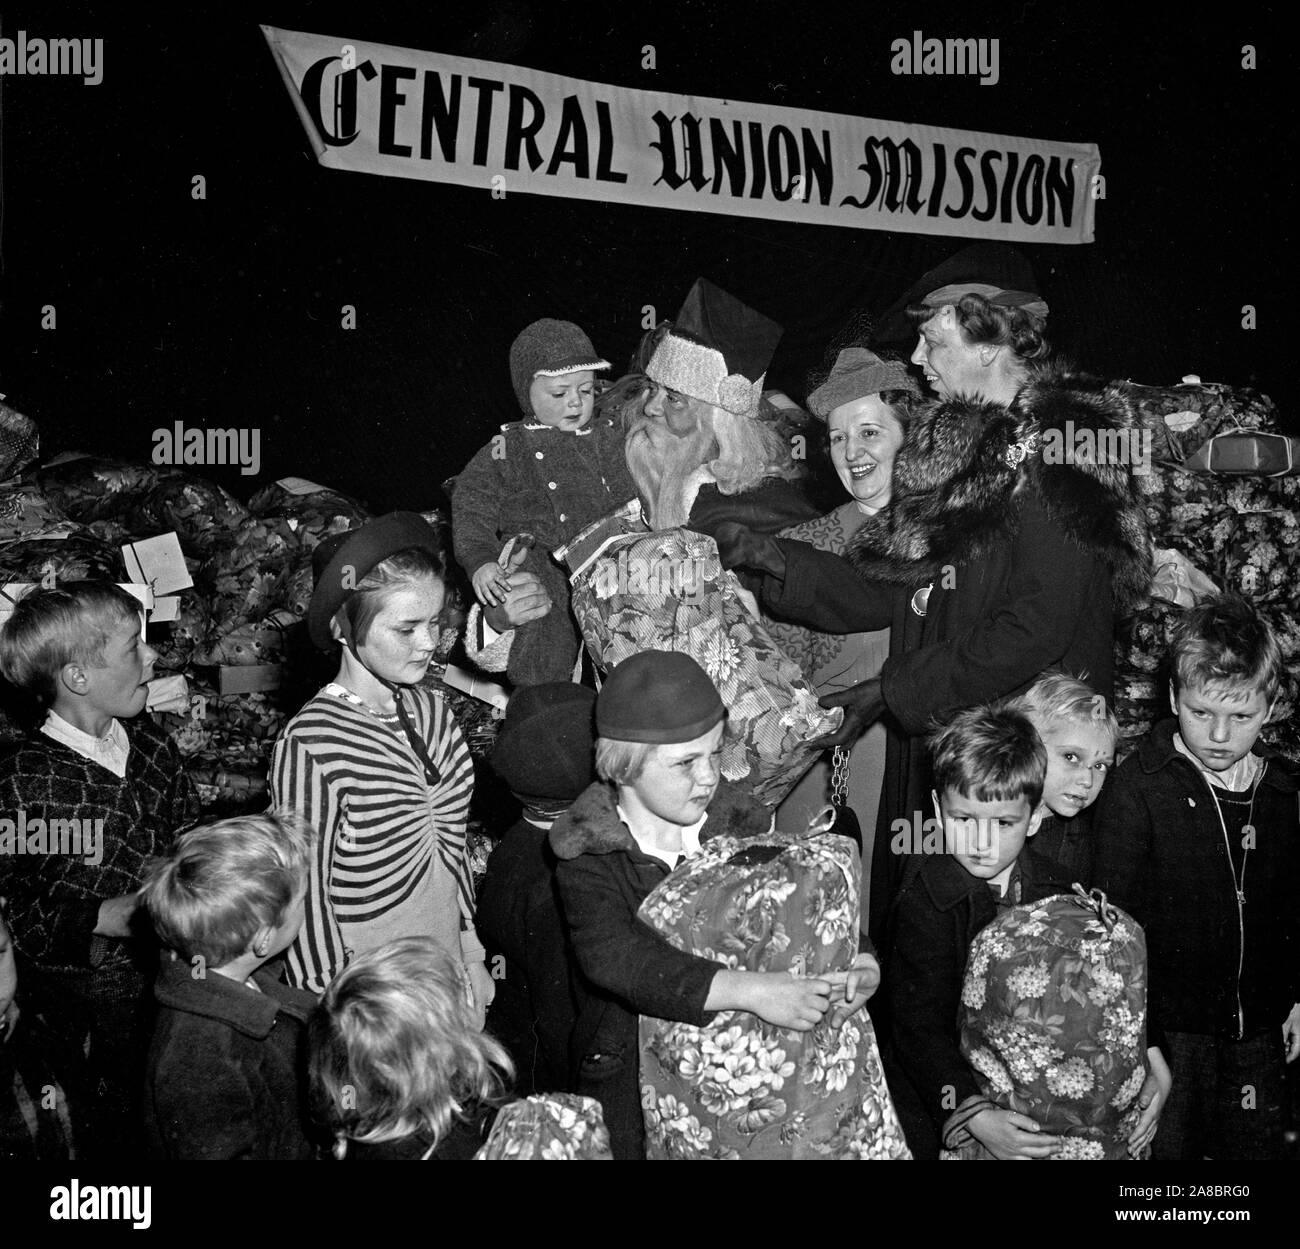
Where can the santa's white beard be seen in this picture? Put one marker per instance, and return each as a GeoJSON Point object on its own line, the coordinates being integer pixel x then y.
{"type": "Point", "coordinates": [660, 464]}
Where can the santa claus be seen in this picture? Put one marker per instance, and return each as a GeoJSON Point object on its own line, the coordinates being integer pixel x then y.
{"type": "Point", "coordinates": [703, 444]}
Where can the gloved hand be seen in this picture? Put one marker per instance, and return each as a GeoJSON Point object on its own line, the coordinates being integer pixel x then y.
{"type": "Point", "coordinates": [863, 705]}
{"type": "Point", "coordinates": [739, 547]}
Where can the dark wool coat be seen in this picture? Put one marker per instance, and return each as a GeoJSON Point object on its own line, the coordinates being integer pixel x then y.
{"type": "Point", "coordinates": [773, 504]}
{"type": "Point", "coordinates": [518, 919]}
{"type": "Point", "coordinates": [551, 483]}
{"type": "Point", "coordinates": [1069, 841]}
{"type": "Point", "coordinates": [537, 479]}
{"type": "Point", "coordinates": [1161, 853]}
{"type": "Point", "coordinates": [227, 1068]}
{"type": "Point", "coordinates": [933, 922]}
{"type": "Point", "coordinates": [628, 968]}
{"type": "Point", "coordinates": [1030, 560]}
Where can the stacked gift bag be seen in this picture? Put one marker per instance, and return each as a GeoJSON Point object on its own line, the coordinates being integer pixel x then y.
{"type": "Point", "coordinates": [635, 590]}
{"type": "Point", "coordinates": [551, 1127]}
{"type": "Point", "coordinates": [740, 1087]}
{"type": "Point", "coordinates": [1053, 1019]}
{"type": "Point", "coordinates": [1222, 494]}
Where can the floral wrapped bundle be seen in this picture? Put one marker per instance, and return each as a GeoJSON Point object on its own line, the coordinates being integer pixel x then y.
{"type": "Point", "coordinates": [740, 1087]}
{"type": "Point", "coordinates": [20, 441]}
{"type": "Point", "coordinates": [225, 791]}
{"type": "Point", "coordinates": [668, 591]}
{"type": "Point", "coordinates": [178, 641]}
{"type": "Point", "coordinates": [1261, 558]}
{"type": "Point", "coordinates": [25, 512]}
{"type": "Point", "coordinates": [247, 577]}
{"type": "Point", "coordinates": [79, 557]}
{"type": "Point", "coordinates": [203, 515]}
{"type": "Point", "coordinates": [313, 511]}
{"type": "Point", "coordinates": [1141, 681]}
{"type": "Point", "coordinates": [551, 1127]}
{"type": "Point", "coordinates": [1183, 418]}
{"type": "Point", "coordinates": [1054, 1020]}
{"type": "Point", "coordinates": [1282, 732]}
{"type": "Point", "coordinates": [88, 488]}
{"type": "Point", "coordinates": [249, 642]}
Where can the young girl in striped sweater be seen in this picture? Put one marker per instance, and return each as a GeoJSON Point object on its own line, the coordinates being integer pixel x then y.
{"type": "Point", "coordinates": [378, 764]}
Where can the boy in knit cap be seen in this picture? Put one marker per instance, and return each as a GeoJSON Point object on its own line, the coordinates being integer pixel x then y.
{"type": "Point", "coordinates": [549, 475]}
{"type": "Point", "coordinates": [544, 754]}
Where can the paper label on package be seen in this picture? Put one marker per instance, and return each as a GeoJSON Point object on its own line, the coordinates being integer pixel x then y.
{"type": "Point", "coordinates": [299, 485]}
{"type": "Point", "coordinates": [166, 607]}
{"type": "Point", "coordinates": [158, 562]}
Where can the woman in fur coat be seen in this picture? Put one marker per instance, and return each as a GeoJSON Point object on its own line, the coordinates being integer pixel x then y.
{"type": "Point", "coordinates": [1015, 536]}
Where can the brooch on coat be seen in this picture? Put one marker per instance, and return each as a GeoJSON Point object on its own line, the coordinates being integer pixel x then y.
{"type": "Point", "coordinates": [1018, 452]}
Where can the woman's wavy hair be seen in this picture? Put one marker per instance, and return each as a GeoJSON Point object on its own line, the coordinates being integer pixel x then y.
{"type": "Point", "coordinates": [985, 322]}
{"type": "Point", "coordinates": [395, 1050]}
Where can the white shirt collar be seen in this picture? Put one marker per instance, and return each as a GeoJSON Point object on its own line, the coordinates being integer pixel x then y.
{"type": "Point", "coordinates": [1238, 778]}
{"type": "Point", "coordinates": [690, 839]}
{"type": "Point", "coordinates": [109, 751]}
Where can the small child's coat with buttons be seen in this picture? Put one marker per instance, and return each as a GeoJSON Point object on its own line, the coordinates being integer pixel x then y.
{"type": "Point", "coordinates": [552, 483]}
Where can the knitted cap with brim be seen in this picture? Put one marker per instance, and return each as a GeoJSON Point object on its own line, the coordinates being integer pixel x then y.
{"type": "Point", "coordinates": [659, 697]}
{"type": "Point", "coordinates": [549, 348]}
{"type": "Point", "coordinates": [857, 374]}
{"type": "Point", "coordinates": [545, 747]}
{"type": "Point", "coordinates": [341, 560]}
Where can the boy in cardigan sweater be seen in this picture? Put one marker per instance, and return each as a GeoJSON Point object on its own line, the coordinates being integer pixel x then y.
{"type": "Point", "coordinates": [1197, 838]}
{"type": "Point", "coordinates": [550, 475]}
{"type": "Point", "coordinates": [84, 802]}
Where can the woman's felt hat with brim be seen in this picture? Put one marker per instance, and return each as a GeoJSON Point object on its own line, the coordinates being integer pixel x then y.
{"type": "Point", "coordinates": [341, 560]}
{"type": "Point", "coordinates": [857, 374]}
{"type": "Point", "coordinates": [663, 697]}
{"type": "Point", "coordinates": [985, 264]}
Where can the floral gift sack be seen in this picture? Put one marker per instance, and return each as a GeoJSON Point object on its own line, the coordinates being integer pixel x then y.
{"type": "Point", "coordinates": [552, 1127]}
{"type": "Point", "coordinates": [740, 1087]}
{"type": "Point", "coordinates": [1053, 1018]}
{"type": "Point", "coordinates": [668, 591]}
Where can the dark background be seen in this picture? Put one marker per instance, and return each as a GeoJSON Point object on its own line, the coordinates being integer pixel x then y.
{"type": "Point", "coordinates": [227, 311]}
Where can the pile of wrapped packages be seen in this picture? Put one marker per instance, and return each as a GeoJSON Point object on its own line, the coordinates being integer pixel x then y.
{"type": "Point", "coordinates": [1222, 490]}
{"type": "Point", "coordinates": [1223, 501]}
{"type": "Point", "coordinates": [234, 662]}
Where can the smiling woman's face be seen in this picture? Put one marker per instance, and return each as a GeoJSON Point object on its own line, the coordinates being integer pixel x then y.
{"type": "Point", "coordinates": [865, 436]}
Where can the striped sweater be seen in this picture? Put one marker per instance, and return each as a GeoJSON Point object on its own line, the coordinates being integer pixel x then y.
{"type": "Point", "coordinates": [385, 835]}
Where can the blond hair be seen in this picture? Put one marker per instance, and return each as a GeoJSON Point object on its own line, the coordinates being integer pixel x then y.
{"type": "Point", "coordinates": [1058, 696]}
{"type": "Point", "coordinates": [394, 1047]}
{"type": "Point", "coordinates": [54, 626]}
{"type": "Point", "coordinates": [220, 883]}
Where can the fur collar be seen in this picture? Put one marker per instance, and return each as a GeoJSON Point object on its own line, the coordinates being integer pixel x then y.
{"type": "Point", "coordinates": [954, 482]}
{"type": "Point", "coordinates": [592, 826]}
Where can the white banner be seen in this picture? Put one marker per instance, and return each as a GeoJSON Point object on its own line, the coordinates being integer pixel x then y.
{"type": "Point", "coordinates": [377, 109]}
